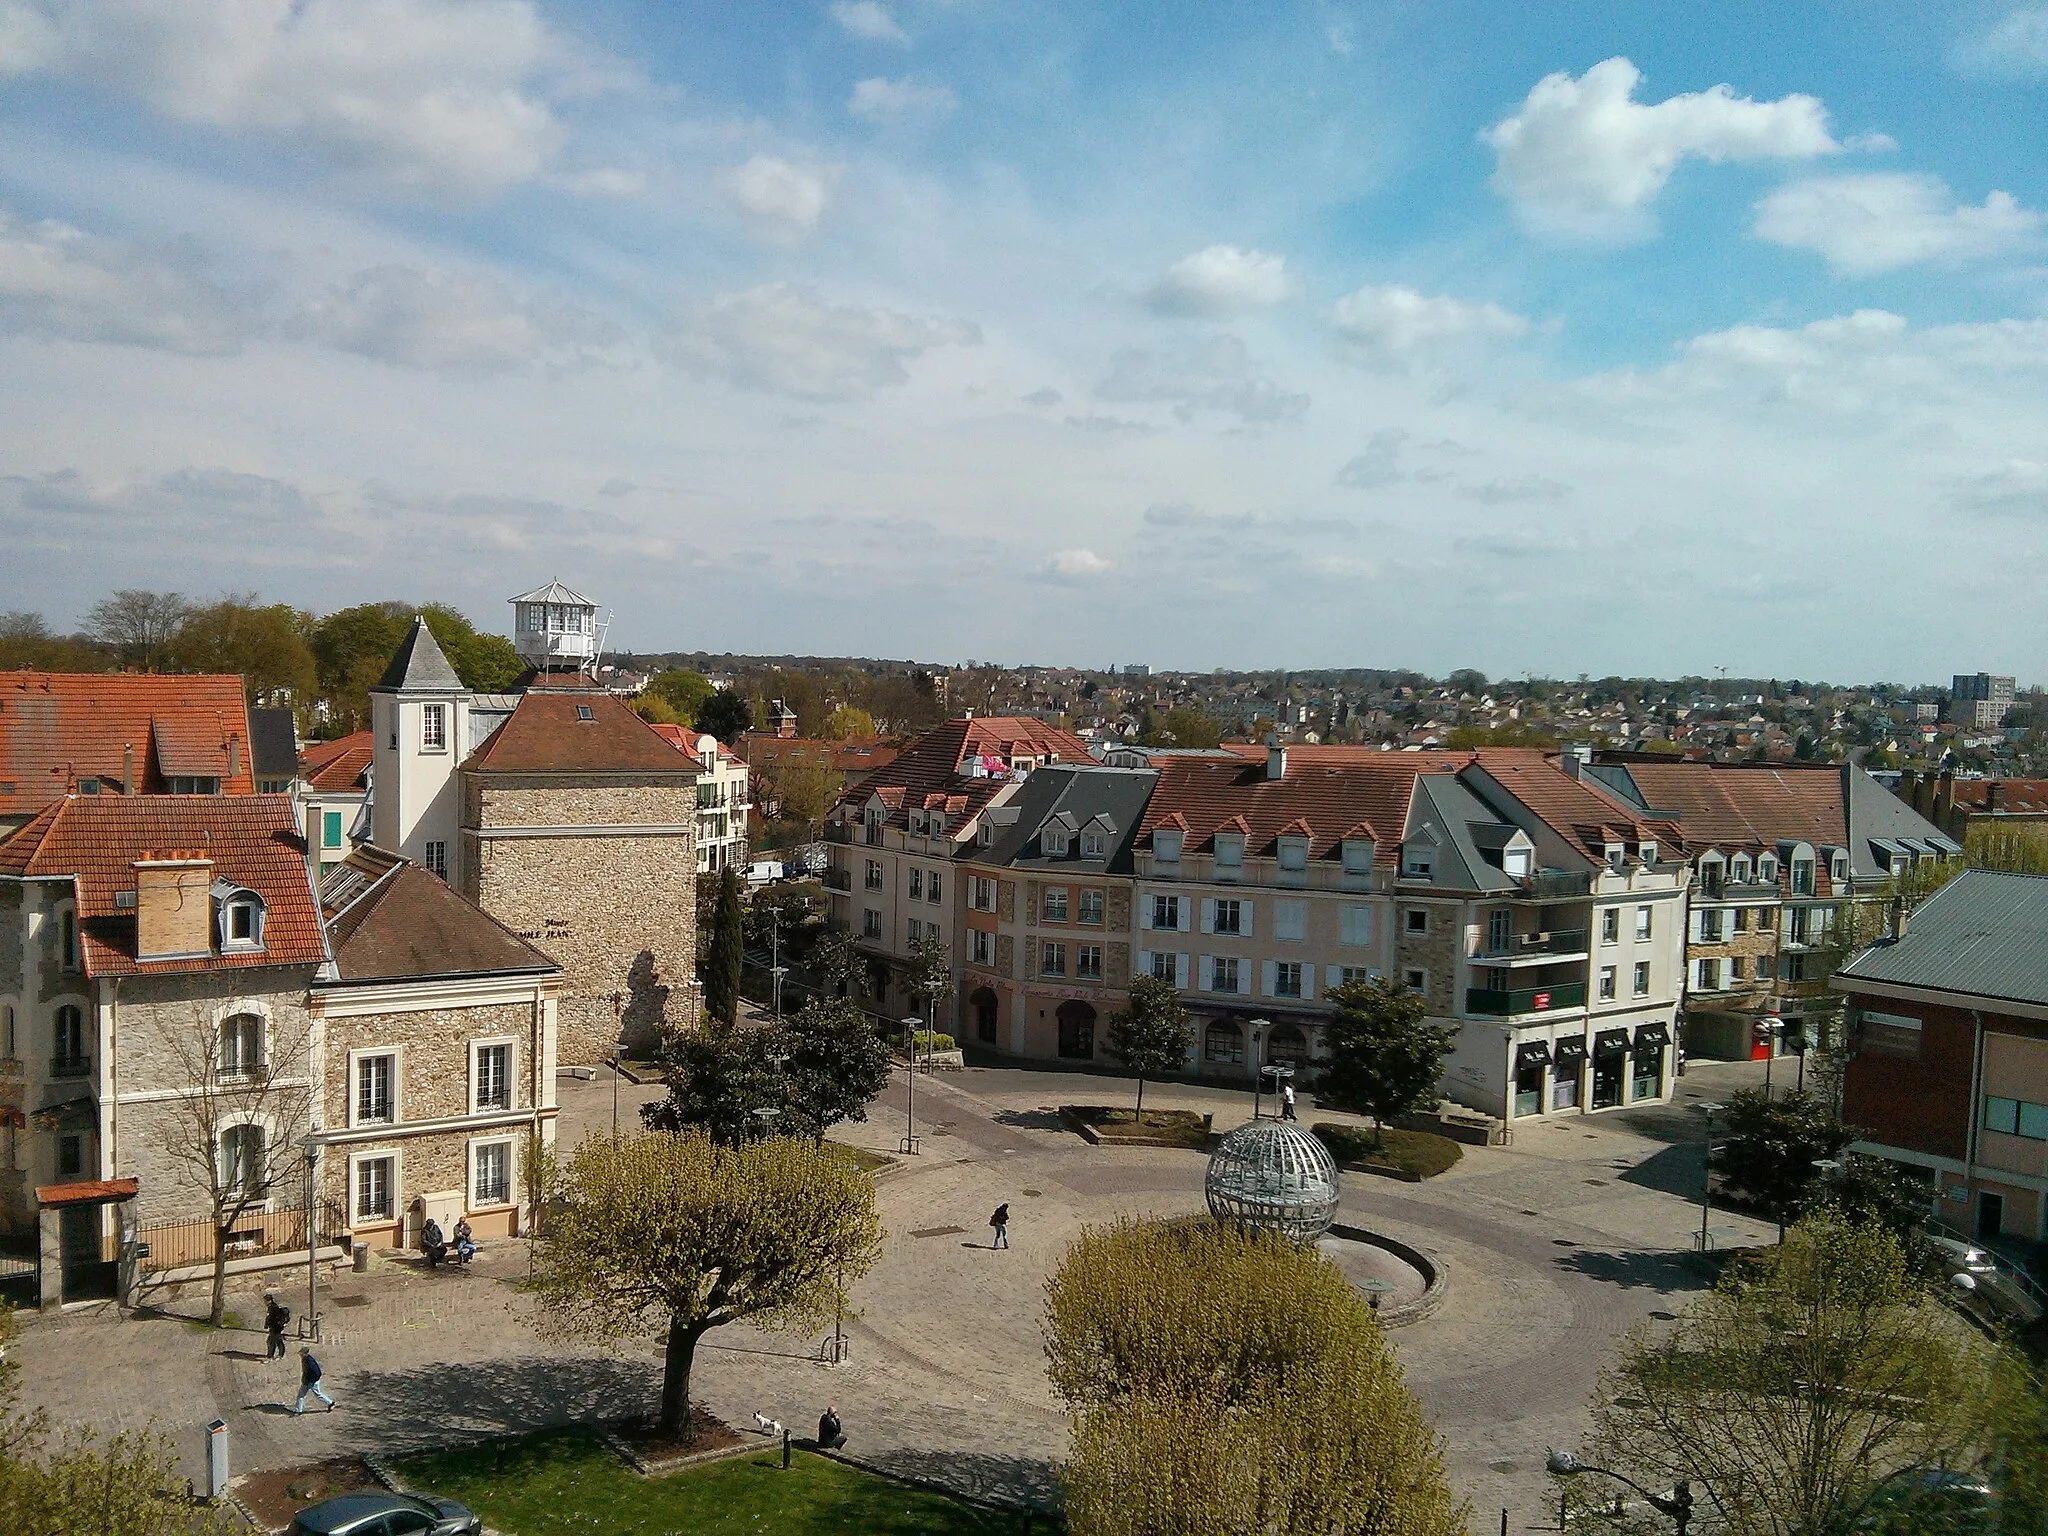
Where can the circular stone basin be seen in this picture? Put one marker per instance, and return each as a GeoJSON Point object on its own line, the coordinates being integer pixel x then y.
{"type": "Point", "coordinates": [1373, 1270]}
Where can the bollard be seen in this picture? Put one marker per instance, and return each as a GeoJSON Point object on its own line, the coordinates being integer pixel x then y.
{"type": "Point", "coordinates": [216, 1458]}
{"type": "Point", "coordinates": [785, 1447]}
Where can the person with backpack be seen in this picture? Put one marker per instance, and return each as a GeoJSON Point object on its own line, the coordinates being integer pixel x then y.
{"type": "Point", "coordinates": [276, 1315]}
{"type": "Point", "coordinates": [309, 1382]}
{"type": "Point", "coordinates": [1001, 1222]}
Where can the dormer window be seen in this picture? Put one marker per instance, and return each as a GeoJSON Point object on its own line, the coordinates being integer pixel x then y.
{"type": "Point", "coordinates": [1091, 844]}
{"type": "Point", "coordinates": [1418, 864]}
{"type": "Point", "coordinates": [1230, 849]}
{"type": "Point", "coordinates": [1802, 877]}
{"type": "Point", "coordinates": [935, 826]}
{"type": "Point", "coordinates": [241, 919]}
{"type": "Point", "coordinates": [1647, 852]}
{"type": "Point", "coordinates": [1055, 841]}
{"type": "Point", "coordinates": [1738, 869]}
{"type": "Point", "coordinates": [987, 833]}
{"type": "Point", "coordinates": [1357, 856]}
{"type": "Point", "coordinates": [1616, 852]}
{"type": "Point", "coordinates": [1166, 845]}
{"type": "Point", "coordinates": [1767, 868]}
{"type": "Point", "coordinates": [1515, 862]}
{"type": "Point", "coordinates": [1838, 868]}
{"type": "Point", "coordinates": [1293, 853]}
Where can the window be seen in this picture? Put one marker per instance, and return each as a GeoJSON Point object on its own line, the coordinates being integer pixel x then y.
{"type": "Point", "coordinates": [1767, 869]}
{"type": "Point", "coordinates": [873, 879]}
{"type": "Point", "coordinates": [1287, 978]}
{"type": "Point", "coordinates": [984, 893]}
{"type": "Point", "coordinates": [242, 924]}
{"type": "Point", "coordinates": [494, 1077]}
{"type": "Point", "coordinates": [583, 712]}
{"type": "Point", "coordinates": [1357, 856]}
{"type": "Point", "coordinates": [1802, 877]}
{"type": "Point", "coordinates": [68, 1043]}
{"type": "Point", "coordinates": [1798, 925]}
{"type": "Point", "coordinates": [1642, 980]}
{"type": "Point", "coordinates": [1223, 1042]}
{"type": "Point", "coordinates": [1735, 968]}
{"type": "Point", "coordinates": [1500, 931]}
{"type": "Point", "coordinates": [1166, 846]}
{"type": "Point", "coordinates": [1606, 983]}
{"type": "Point", "coordinates": [1290, 921]}
{"type": "Point", "coordinates": [1165, 967]}
{"type": "Point", "coordinates": [1642, 922]}
{"type": "Point", "coordinates": [241, 1045]}
{"type": "Point", "coordinates": [1515, 861]}
{"type": "Point", "coordinates": [981, 947]}
{"type": "Point", "coordinates": [67, 938]}
{"type": "Point", "coordinates": [242, 1167]}
{"type": "Point", "coordinates": [1616, 853]}
{"type": "Point", "coordinates": [1418, 863]}
{"type": "Point", "coordinates": [1166, 912]}
{"type": "Point", "coordinates": [1710, 878]}
{"type": "Point", "coordinates": [375, 1084]}
{"type": "Point", "coordinates": [1738, 869]}
{"type": "Point", "coordinates": [1795, 966]}
{"type": "Point", "coordinates": [1354, 975]}
{"type": "Point", "coordinates": [1052, 958]}
{"type": "Point", "coordinates": [1416, 919]}
{"type": "Point", "coordinates": [437, 858]}
{"type": "Point", "coordinates": [1088, 962]}
{"type": "Point", "coordinates": [913, 930]}
{"type": "Point", "coordinates": [373, 1189]}
{"type": "Point", "coordinates": [1354, 924]}
{"type": "Point", "coordinates": [70, 1157]}
{"type": "Point", "coordinates": [330, 829]}
{"type": "Point", "coordinates": [1741, 920]}
{"type": "Point", "coordinates": [931, 887]}
{"type": "Point", "coordinates": [1610, 925]}
{"type": "Point", "coordinates": [1229, 850]}
{"type": "Point", "coordinates": [1416, 979]}
{"type": "Point", "coordinates": [870, 924]}
{"type": "Point", "coordinates": [1229, 916]}
{"type": "Point", "coordinates": [206, 786]}
{"type": "Point", "coordinates": [1294, 854]}
{"type": "Point", "coordinates": [1838, 868]}
{"type": "Point", "coordinates": [433, 727]}
{"type": "Point", "coordinates": [1054, 840]}
{"type": "Point", "coordinates": [492, 1180]}
{"type": "Point", "coordinates": [1090, 909]}
{"type": "Point", "coordinates": [1223, 974]}
{"type": "Point", "coordinates": [1710, 926]}
{"type": "Point", "coordinates": [1710, 975]}
{"type": "Point", "coordinates": [1054, 909]}
{"type": "Point", "coordinates": [7, 1040]}
{"type": "Point", "coordinates": [1091, 845]}
{"type": "Point", "coordinates": [917, 885]}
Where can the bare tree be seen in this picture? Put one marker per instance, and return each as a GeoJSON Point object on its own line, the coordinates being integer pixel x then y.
{"type": "Point", "coordinates": [244, 1104]}
{"type": "Point", "coordinates": [137, 625]}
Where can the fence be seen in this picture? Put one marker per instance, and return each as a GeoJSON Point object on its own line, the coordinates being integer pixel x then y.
{"type": "Point", "coordinates": [256, 1234]}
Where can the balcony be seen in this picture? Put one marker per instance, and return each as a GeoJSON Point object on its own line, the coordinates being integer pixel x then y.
{"type": "Point", "coordinates": [839, 880]}
{"type": "Point", "coordinates": [1558, 884]}
{"type": "Point", "coordinates": [836, 833]}
{"type": "Point", "coordinates": [1535, 948]}
{"type": "Point", "coordinates": [71, 1066]}
{"type": "Point", "coordinates": [1486, 1002]}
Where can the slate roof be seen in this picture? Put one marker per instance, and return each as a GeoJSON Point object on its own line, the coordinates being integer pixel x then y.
{"type": "Point", "coordinates": [419, 665]}
{"type": "Point", "coordinates": [1983, 935]}
{"type": "Point", "coordinates": [392, 921]}
{"type": "Point", "coordinates": [58, 729]}
{"type": "Point", "coordinates": [549, 733]}
{"type": "Point", "coordinates": [1077, 798]}
{"type": "Point", "coordinates": [340, 765]}
{"type": "Point", "coordinates": [253, 842]}
{"type": "Point", "coordinates": [1584, 818]}
{"type": "Point", "coordinates": [274, 741]}
{"type": "Point", "coordinates": [1460, 824]}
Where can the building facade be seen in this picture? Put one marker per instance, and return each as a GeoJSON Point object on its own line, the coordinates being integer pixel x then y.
{"type": "Point", "coordinates": [724, 798]}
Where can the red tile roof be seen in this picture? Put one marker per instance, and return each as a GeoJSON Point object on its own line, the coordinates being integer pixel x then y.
{"type": "Point", "coordinates": [58, 728]}
{"type": "Point", "coordinates": [932, 771]}
{"type": "Point", "coordinates": [684, 739]}
{"type": "Point", "coordinates": [95, 839]}
{"type": "Point", "coordinates": [2016, 797]}
{"type": "Point", "coordinates": [1336, 792]}
{"type": "Point", "coordinates": [548, 733]}
{"type": "Point", "coordinates": [1734, 806]}
{"type": "Point", "coordinates": [1581, 815]}
{"type": "Point", "coordinates": [856, 756]}
{"type": "Point", "coordinates": [338, 765]}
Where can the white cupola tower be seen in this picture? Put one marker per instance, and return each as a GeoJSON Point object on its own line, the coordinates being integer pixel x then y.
{"type": "Point", "coordinates": [555, 630]}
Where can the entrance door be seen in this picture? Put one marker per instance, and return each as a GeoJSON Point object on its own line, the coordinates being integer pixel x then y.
{"type": "Point", "coordinates": [983, 1002]}
{"type": "Point", "coordinates": [1607, 1075]}
{"type": "Point", "coordinates": [87, 1276]}
{"type": "Point", "coordinates": [1529, 1091]}
{"type": "Point", "coordinates": [1077, 1030]}
{"type": "Point", "coordinates": [1990, 1215]}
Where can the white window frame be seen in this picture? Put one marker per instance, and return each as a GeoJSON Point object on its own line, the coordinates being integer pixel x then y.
{"type": "Point", "coordinates": [1082, 905]}
{"type": "Point", "coordinates": [933, 890]}
{"type": "Point", "coordinates": [1216, 967]}
{"type": "Point", "coordinates": [433, 727]}
{"type": "Point", "coordinates": [1047, 950]}
{"type": "Point", "coordinates": [469, 1190]}
{"type": "Point", "coordinates": [246, 1122]}
{"type": "Point", "coordinates": [1645, 923]}
{"type": "Point", "coordinates": [1609, 980]}
{"type": "Point", "coordinates": [1092, 845]}
{"type": "Point", "coordinates": [1045, 896]}
{"type": "Point", "coordinates": [1082, 969]}
{"type": "Point", "coordinates": [1166, 845]}
{"type": "Point", "coordinates": [1639, 980]}
{"type": "Point", "coordinates": [1610, 925]}
{"type": "Point", "coordinates": [394, 1188]}
{"type": "Point", "coordinates": [1281, 975]}
{"type": "Point", "coordinates": [981, 947]}
{"type": "Point", "coordinates": [1170, 905]}
{"type": "Point", "coordinates": [510, 1044]}
{"type": "Point", "coordinates": [245, 1069]}
{"type": "Point", "coordinates": [1416, 980]}
{"type": "Point", "coordinates": [916, 883]}
{"type": "Point", "coordinates": [397, 1054]}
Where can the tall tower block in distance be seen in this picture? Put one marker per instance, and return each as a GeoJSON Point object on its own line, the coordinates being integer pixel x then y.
{"type": "Point", "coordinates": [556, 630]}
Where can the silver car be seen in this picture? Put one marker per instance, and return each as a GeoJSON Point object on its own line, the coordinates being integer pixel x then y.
{"type": "Point", "coordinates": [375, 1512]}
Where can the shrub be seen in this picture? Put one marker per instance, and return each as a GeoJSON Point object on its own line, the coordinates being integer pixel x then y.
{"type": "Point", "coordinates": [935, 1040]}
{"type": "Point", "coordinates": [1418, 1152]}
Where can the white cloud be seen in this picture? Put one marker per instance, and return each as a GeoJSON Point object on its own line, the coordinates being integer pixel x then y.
{"type": "Point", "coordinates": [2016, 45]}
{"type": "Point", "coordinates": [1881, 222]}
{"type": "Point", "coordinates": [779, 201]}
{"type": "Point", "coordinates": [432, 95]}
{"type": "Point", "coordinates": [1070, 567]}
{"type": "Point", "coordinates": [59, 282]}
{"type": "Point", "coordinates": [2017, 488]}
{"type": "Point", "coordinates": [1214, 373]}
{"type": "Point", "coordinates": [787, 340]}
{"type": "Point", "coordinates": [1583, 160]}
{"type": "Point", "coordinates": [455, 323]}
{"type": "Point", "coordinates": [868, 19]}
{"type": "Point", "coordinates": [901, 101]}
{"type": "Point", "coordinates": [1220, 280]}
{"type": "Point", "coordinates": [1392, 319]}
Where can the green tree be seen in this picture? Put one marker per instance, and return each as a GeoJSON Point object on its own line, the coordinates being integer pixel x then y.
{"type": "Point", "coordinates": [263, 643]}
{"type": "Point", "coordinates": [352, 647]}
{"type": "Point", "coordinates": [1770, 1149]}
{"type": "Point", "coordinates": [838, 965]}
{"type": "Point", "coordinates": [728, 953]}
{"type": "Point", "coordinates": [720, 1077]}
{"type": "Point", "coordinates": [1798, 1397]}
{"type": "Point", "coordinates": [2019, 848]}
{"type": "Point", "coordinates": [681, 690]}
{"type": "Point", "coordinates": [26, 643]}
{"type": "Point", "coordinates": [1229, 1382]}
{"type": "Point", "coordinates": [726, 715]}
{"type": "Point", "coordinates": [1385, 1057]}
{"type": "Point", "coordinates": [483, 660]}
{"type": "Point", "coordinates": [930, 978]}
{"type": "Point", "coordinates": [846, 721]}
{"type": "Point", "coordinates": [137, 626]}
{"type": "Point", "coordinates": [1183, 728]}
{"type": "Point", "coordinates": [1150, 1034]}
{"type": "Point", "coordinates": [674, 1232]}
{"type": "Point", "coordinates": [802, 792]}
{"type": "Point", "coordinates": [1879, 1191]}
{"type": "Point", "coordinates": [834, 1062]}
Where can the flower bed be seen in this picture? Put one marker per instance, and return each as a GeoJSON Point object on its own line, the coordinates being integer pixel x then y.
{"type": "Point", "coordinates": [1161, 1128]}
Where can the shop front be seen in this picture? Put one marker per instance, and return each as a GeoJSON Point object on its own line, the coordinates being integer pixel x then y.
{"type": "Point", "coordinates": [1610, 1068]}
{"type": "Point", "coordinates": [1567, 1072]}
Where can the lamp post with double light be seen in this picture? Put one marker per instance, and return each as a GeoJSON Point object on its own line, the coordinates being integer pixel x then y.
{"type": "Point", "coordinates": [1706, 1170]}
{"type": "Point", "coordinates": [1677, 1503]}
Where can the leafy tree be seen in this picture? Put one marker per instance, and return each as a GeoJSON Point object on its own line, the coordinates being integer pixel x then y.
{"type": "Point", "coordinates": [1385, 1056]}
{"type": "Point", "coordinates": [930, 980]}
{"type": "Point", "coordinates": [655, 710]}
{"type": "Point", "coordinates": [1878, 1191]}
{"type": "Point", "coordinates": [682, 691]}
{"type": "Point", "coordinates": [726, 715]}
{"type": "Point", "coordinates": [835, 1061]}
{"type": "Point", "coordinates": [2019, 848]}
{"type": "Point", "coordinates": [1151, 1034]}
{"type": "Point", "coordinates": [1229, 1382]}
{"type": "Point", "coordinates": [722, 964]}
{"type": "Point", "coordinates": [1770, 1147]}
{"type": "Point", "coordinates": [846, 721]}
{"type": "Point", "coordinates": [265, 644]}
{"type": "Point", "coordinates": [1798, 1397]}
{"type": "Point", "coordinates": [672, 1231]}
{"type": "Point", "coordinates": [137, 626]}
{"type": "Point", "coordinates": [719, 1079]}
{"type": "Point", "coordinates": [838, 964]}
{"type": "Point", "coordinates": [352, 647]}
{"type": "Point", "coordinates": [26, 642]}
{"type": "Point", "coordinates": [483, 660]}
{"type": "Point", "coordinates": [802, 791]}
{"type": "Point", "coordinates": [1183, 728]}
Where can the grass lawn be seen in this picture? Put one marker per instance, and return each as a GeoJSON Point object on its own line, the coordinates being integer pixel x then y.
{"type": "Point", "coordinates": [1418, 1152]}
{"type": "Point", "coordinates": [570, 1485]}
{"type": "Point", "coordinates": [1177, 1127]}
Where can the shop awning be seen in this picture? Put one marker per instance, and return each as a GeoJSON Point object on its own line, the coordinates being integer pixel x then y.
{"type": "Point", "coordinates": [1532, 1053]}
{"type": "Point", "coordinates": [1570, 1052]}
{"type": "Point", "coordinates": [1652, 1034]}
{"type": "Point", "coordinates": [1611, 1042]}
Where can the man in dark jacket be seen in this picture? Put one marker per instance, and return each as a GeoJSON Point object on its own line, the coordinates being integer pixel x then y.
{"type": "Point", "coordinates": [830, 1435]}
{"type": "Point", "coordinates": [275, 1315]}
{"type": "Point", "coordinates": [309, 1382]}
{"type": "Point", "coordinates": [1001, 1222]}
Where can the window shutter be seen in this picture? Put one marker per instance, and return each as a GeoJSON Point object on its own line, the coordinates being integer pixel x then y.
{"type": "Point", "coordinates": [1308, 982]}
{"type": "Point", "coordinates": [1208, 973]}
{"type": "Point", "coordinates": [1333, 977]}
{"type": "Point", "coordinates": [1245, 924]}
{"type": "Point", "coordinates": [1208, 916]}
{"type": "Point", "coordinates": [1181, 971]}
{"type": "Point", "coordinates": [1144, 962]}
{"type": "Point", "coordinates": [1144, 912]}
{"type": "Point", "coordinates": [1269, 976]}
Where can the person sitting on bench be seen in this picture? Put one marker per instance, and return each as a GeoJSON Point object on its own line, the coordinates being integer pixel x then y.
{"type": "Point", "coordinates": [465, 1241]}
{"type": "Point", "coordinates": [432, 1243]}
{"type": "Point", "coordinates": [830, 1436]}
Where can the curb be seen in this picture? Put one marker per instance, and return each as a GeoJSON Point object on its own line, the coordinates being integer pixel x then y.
{"type": "Point", "coordinates": [662, 1466]}
{"type": "Point", "coordinates": [1436, 1279]}
{"type": "Point", "coordinates": [1073, 1122]}
{"type": "Point", "coordinates": [876, 1469]}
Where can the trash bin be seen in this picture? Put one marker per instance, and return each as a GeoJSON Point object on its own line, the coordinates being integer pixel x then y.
{"type": "Point", "coordinates": [361, 1257]}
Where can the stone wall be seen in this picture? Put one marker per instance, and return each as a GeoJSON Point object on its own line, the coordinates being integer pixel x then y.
{"type": "Point", "coordinates": [1435, 952]}
{"type": "Point", "coordinates": [618, 911]}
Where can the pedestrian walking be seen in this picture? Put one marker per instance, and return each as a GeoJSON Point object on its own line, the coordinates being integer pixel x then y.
{"type": "Point", "coordinates": [1287, 1101]}
{"type": "Point", "coordinates": [1001, 1222]}
{"type": "Point", "coordinates": [309, 1382]}
{"type": "Point", "coordinates": [275, 1316]}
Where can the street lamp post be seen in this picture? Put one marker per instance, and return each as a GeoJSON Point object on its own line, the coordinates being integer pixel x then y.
{"type": "Point", "coordinates": [1677, 1503]}
{"type": "Point", "coordinates": [910, 1147]}
{"type": "Point", "coordinates": [312, 1144]}
{"type": "Point", "coordinates": [618, 1052]}
{"type": "Point", "coordinates": [1706, 1171]}
{"type": "Point", "coordinates": [1258, 1029]}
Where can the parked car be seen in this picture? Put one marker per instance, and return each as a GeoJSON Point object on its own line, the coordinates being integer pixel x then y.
{"type": "Point", "coordinates": [375, 1512]}
{"type": "Point", "coordinates": [1963, 1258]}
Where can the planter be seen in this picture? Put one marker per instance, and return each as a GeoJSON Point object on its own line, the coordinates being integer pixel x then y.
{"type": "Point", "coordinates": [1091, 1123]}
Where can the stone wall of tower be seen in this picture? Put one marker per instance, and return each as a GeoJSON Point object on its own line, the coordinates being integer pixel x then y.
{"type": "Point", "coordinates": [600, 871]}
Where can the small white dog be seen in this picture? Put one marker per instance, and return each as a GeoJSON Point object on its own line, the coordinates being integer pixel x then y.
{"type": "Point", "coordinates": [767, 1425]}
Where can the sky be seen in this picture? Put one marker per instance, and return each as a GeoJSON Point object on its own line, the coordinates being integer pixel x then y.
{"type": "Point", "coordinates": [1606, 338]}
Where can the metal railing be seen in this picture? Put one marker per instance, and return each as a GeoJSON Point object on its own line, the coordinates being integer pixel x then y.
{"type": "Point", "coordinates": [256, 1233]}
{"type": "Point", "coordinates": [1568, 941]}
{"type": "Point", "coordinates": [838, 880]}
{"type": "Point", "coordinates": [1557, 884]}
{"type": "Point", "coordinates": [1490, 1002]}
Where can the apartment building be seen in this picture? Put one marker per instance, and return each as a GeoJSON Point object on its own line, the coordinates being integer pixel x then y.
{"type": "Point", "coordinates": [892, 842]}
{"type": "Point", "coordinates": [1776, 850]}
{"type": "Point", "coordinates": [1982, 701]}
{"type": "Point", "coordinates": [724, 798]}
{"type": "Point", "coordinates": [1948, 1034]}
{"type": "Point", "coordinates": [333, 793]}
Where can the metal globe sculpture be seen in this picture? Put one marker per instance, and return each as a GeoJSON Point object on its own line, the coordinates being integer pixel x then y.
{"type": "Point", "coordinates": [1272, 1176]}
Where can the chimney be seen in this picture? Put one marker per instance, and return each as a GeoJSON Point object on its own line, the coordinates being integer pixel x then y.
{"type": "Point", "coordinates": [128, 769]}
{"type": "Point", "coordinates": [1945, 800]}
{"type": "Point", "coordinates": [1276, 759]}
{"type": "Point", "coordinates": [1992, 789]}
{"type": "Point", "coordinates": [1899, 918]}
{"type": "Point", "coordinates": [234, 756]}
{"type": "Point", "coordinates": [173, 904]}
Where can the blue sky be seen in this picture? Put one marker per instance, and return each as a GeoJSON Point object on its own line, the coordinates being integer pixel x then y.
{"type": "Point", "coordinates": [1554, 339]}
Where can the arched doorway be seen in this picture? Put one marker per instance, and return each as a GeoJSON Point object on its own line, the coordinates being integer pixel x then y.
{"type": "Point", "coordinates": [1223, 1044]}
{"type": "Point", "coordinates": [1077, 1030]}
{"type": "Point", "coordinates": [981, 1003]}
{"type": "Point", "coordinates": [1287, 1046]}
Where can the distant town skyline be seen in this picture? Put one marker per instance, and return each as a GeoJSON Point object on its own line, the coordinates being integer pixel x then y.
{"type": "Point", "coordinates": [1601, 341]}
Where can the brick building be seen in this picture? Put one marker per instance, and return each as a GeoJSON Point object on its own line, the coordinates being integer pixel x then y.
{"type": "Point", "coordinates": [1948, 1032]}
